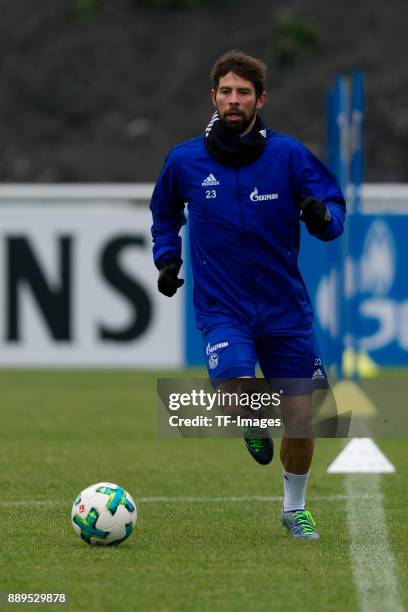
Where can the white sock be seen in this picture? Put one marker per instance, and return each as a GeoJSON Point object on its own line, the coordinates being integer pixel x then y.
{"type": "Point", "coordinates": [294, 486]}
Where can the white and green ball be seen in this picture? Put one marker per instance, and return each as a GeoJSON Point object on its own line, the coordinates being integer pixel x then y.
{"type": "Point", "coordinates": [104, 514]}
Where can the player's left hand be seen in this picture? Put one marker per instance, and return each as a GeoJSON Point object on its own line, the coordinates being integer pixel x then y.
{"type": "Point", "coordinates": [315, 214]}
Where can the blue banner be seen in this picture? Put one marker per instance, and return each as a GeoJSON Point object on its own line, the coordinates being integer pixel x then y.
{"type": "Point", "coordinates": [378, 303]}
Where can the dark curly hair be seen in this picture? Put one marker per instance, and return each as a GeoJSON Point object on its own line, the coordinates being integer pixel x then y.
{"type": "Point", "coordinates": [242, 65]}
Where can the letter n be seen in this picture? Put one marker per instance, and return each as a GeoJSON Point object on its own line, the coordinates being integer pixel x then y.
{"type": "Point", "coordinates": [54, 301]}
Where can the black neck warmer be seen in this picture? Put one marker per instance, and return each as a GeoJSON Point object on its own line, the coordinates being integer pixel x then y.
{"type": "Point", "coordinates": [231, 149]}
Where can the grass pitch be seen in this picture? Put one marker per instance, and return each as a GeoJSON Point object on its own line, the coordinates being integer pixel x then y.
{"type": "Point", "coordinates": [194, 548]}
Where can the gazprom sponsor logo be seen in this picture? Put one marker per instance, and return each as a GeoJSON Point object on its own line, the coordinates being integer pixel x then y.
{"type": "Point", "coordinates": [215, 347]}
{"type": "Point", "coordinates": [259, 197]}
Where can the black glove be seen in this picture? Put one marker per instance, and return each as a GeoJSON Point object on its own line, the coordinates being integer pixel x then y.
{"type": "Point", "coordinates": [315, 214]}
{"type": "Point", "coordinates": [168, 283]}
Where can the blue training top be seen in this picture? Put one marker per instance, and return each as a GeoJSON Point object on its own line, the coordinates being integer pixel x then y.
{"type": "Point", "coordinates": [244, 229]}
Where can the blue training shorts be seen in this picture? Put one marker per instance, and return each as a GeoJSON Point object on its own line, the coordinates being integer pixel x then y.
{"type": "Point", "coordinates": [233, 350]}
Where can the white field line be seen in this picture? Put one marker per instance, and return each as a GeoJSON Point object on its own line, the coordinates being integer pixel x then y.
{"type": "Point", "coordinates": [197, 500]}
{"type": "Point", "coordinates": [373, 562]}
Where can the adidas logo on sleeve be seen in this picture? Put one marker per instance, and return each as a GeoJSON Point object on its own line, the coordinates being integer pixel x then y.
{"type": "Point", "coordinates": [210, 181]}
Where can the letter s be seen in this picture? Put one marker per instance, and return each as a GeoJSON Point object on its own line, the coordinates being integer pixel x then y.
{"type": "Point", "coordinates": [128, 287]}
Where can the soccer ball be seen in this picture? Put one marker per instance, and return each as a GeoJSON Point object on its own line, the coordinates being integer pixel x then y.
{"type": "Point", "coordinates": [104, 514]}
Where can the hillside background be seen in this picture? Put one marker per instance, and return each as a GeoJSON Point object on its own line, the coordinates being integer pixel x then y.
{"type": "Point", "coordinates": [98, 90]}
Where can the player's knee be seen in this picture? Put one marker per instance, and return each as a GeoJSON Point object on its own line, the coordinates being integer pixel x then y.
{"type": "Point", "coordinates": [297, 417]}
{"type": "Point", "coordinates": [236, 397]}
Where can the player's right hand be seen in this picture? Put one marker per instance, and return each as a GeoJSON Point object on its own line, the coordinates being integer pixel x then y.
{"type": "Point", "coordinates": [168, 283]}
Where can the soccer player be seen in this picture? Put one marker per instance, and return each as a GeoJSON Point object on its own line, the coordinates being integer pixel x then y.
{"type": "Point", "coordinates": [247, 189]}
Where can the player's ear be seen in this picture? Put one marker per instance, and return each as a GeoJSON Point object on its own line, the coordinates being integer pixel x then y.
{"type": "Point", "coordinates": [213, 93]}
{"type": "Point", "coordinates": [261, 100]}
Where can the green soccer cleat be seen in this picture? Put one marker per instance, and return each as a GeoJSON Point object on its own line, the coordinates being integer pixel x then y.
{"type": "Point", "coordinates": [300, 524]}
{"type": "Point", "coordinates": [259, 444]}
